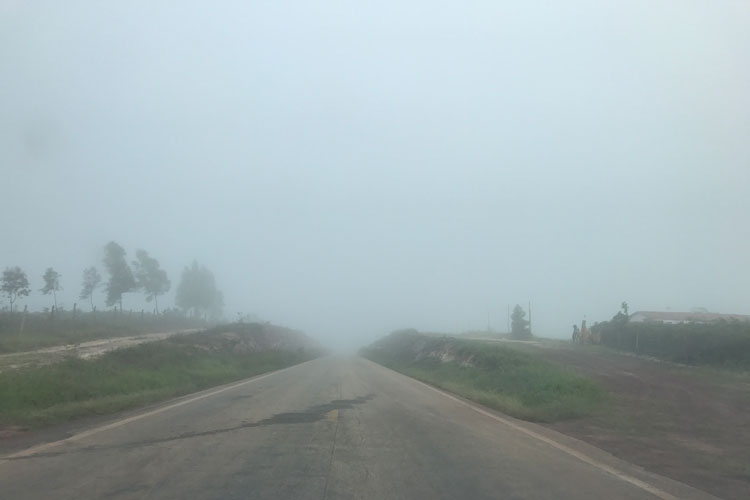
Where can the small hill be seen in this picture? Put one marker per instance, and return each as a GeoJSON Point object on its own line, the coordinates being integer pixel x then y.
{"type": "Point", "coordinates": [254, 337]}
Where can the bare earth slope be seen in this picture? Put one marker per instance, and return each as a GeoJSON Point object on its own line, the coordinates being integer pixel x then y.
{"type": "Point", "coordinates": [690, 424]}
{"type": "Point", "coordinates": [84, 350]}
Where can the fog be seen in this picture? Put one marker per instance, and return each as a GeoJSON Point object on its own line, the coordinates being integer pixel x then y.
{"type": "Point", "coordinates": [352, 168]}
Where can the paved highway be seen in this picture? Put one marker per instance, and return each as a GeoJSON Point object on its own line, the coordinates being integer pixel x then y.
{"type": "Point", "coordinates": [335, 428]}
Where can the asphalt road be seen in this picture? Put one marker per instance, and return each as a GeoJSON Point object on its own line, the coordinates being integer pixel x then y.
{"type": "Point", "coordinates": [330, 428]}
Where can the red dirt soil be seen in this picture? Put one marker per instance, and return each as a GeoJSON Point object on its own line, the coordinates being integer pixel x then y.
{"type": "Point", "coordinates": [689, 424]}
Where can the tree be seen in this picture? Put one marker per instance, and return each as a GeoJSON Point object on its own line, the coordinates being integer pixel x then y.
{"type": "Point", "coordinates": [150, 278]}
{"type": "Point", "coordinates": [519, 326]}
{"type": "Point", "coordinates": [621, 318]}
{"type": "Point", "coordinates": [51, 283]}
{"type": "Point", "coordinates": [15, 284]}
{"type": "Point", "coordinates": [91, 280]}
{"type": "Point", "coordinates": [197, 292]}
{"type": "Point", "coordinates": [121, 278]}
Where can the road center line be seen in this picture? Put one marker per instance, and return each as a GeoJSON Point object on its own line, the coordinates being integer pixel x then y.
{"type": "Point", "coordinates": [565, 449]}
{"type": "Point", "coordinates": [119, 423]}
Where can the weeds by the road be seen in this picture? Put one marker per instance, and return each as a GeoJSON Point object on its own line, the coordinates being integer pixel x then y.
{"type": "Point", "coordinates": [506, 379]}
{"type": "Point", "coordinates": [129, 377]}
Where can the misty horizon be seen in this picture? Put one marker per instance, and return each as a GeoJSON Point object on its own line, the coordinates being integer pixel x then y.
{"type": "Point", "coordinates": [349, 171]}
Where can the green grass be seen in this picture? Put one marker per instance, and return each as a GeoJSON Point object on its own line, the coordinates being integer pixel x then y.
{"type": "Point", "coordinates": [515, 382]}
{"type": "Point", "coordinates": [722, 344]}
{"type": "Point", "coordinates": [129, 377]}
{"type": "Point", "coordinates": [43, 330]}
{"type": "Point", "coordinates": [30, 341]}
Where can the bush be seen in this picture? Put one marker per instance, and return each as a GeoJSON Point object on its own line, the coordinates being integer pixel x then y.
{"type": "Point", "coordinates": [724, 343]}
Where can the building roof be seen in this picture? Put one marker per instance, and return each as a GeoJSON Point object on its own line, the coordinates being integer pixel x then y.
{"type": "Point", "coordinates": [695, 317]}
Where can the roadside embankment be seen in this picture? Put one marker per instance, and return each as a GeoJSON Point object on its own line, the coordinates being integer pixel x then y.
{"type": "Point", "coordinates": [687, 423]}
{"type": "Point", "coordinates": [517, 383]}
{"type": "Point", "coordinates": [149, 372]}
{"type": "Point", "coordinates": [24, 332]}
{"type": "Point", "coordinates": [83, 350]}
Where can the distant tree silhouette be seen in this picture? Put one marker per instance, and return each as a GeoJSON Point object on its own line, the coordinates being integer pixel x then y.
{"type": "Point", "coordinates": [150, 277]}
{"type": "Point", "coordinates": [197, 292]}
{"type": "Point", "coordinates": [91, 280]}
{"type": "Point", "coordinates": [15, 284]}
{"type": "Point", "coordinates": [121, 279]}
{"type": "Point", "coordinates": [51, 283]}
{"type": "Point", "coordinates": [519, 326]}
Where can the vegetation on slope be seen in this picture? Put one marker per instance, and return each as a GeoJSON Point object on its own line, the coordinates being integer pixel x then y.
{"type": "Point", "coordinates": [142, 374]}
{"type": "Point", "coordinates": [515, 382]}
{"type": "Point", "coordinates": [720, 343]}
{"type": "Point", "coordinates": [47, 330]}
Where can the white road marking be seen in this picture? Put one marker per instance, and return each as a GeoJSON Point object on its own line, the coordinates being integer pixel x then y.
{"type": "Point", "coordinates": [119, 423]}
{"type": "Point", "coordinates": [565, 449]}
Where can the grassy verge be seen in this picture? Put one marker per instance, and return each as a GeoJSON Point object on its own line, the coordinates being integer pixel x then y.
{"type": "Point", "coordinates": [130, 377]}
{"type": "Point", "coordinates": [42, 330]}
{"type": "Point", "coordinates": [31, 341]}
{"type": "Point", "coordinates": [517, 383]}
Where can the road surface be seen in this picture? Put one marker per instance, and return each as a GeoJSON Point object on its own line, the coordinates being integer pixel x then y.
{"type": "Point", "coordinates": [335, 428]}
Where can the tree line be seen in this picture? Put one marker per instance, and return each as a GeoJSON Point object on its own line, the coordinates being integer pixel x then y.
{"type": "Point", "coordinates": [196, 292]}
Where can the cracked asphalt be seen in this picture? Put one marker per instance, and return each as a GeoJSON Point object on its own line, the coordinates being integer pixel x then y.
{"type": "Point", "coordinates": [335, 427]}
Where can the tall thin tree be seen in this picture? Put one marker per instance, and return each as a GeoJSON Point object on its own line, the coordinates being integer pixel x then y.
{"type": "Point", "coordinates": [121, 278]}
{"type": "Point", "coordinates": [150, 277]}
{"type": "Point", "coordinates": [15, 284]}
{"type": "Point", "coordinates": [51, 284]}
{"type": "Point", "coordinates": [91, 280]}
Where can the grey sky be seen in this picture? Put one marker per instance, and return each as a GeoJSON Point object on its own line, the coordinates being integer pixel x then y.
{"type": "Point", "coordinates": [351, 168]}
